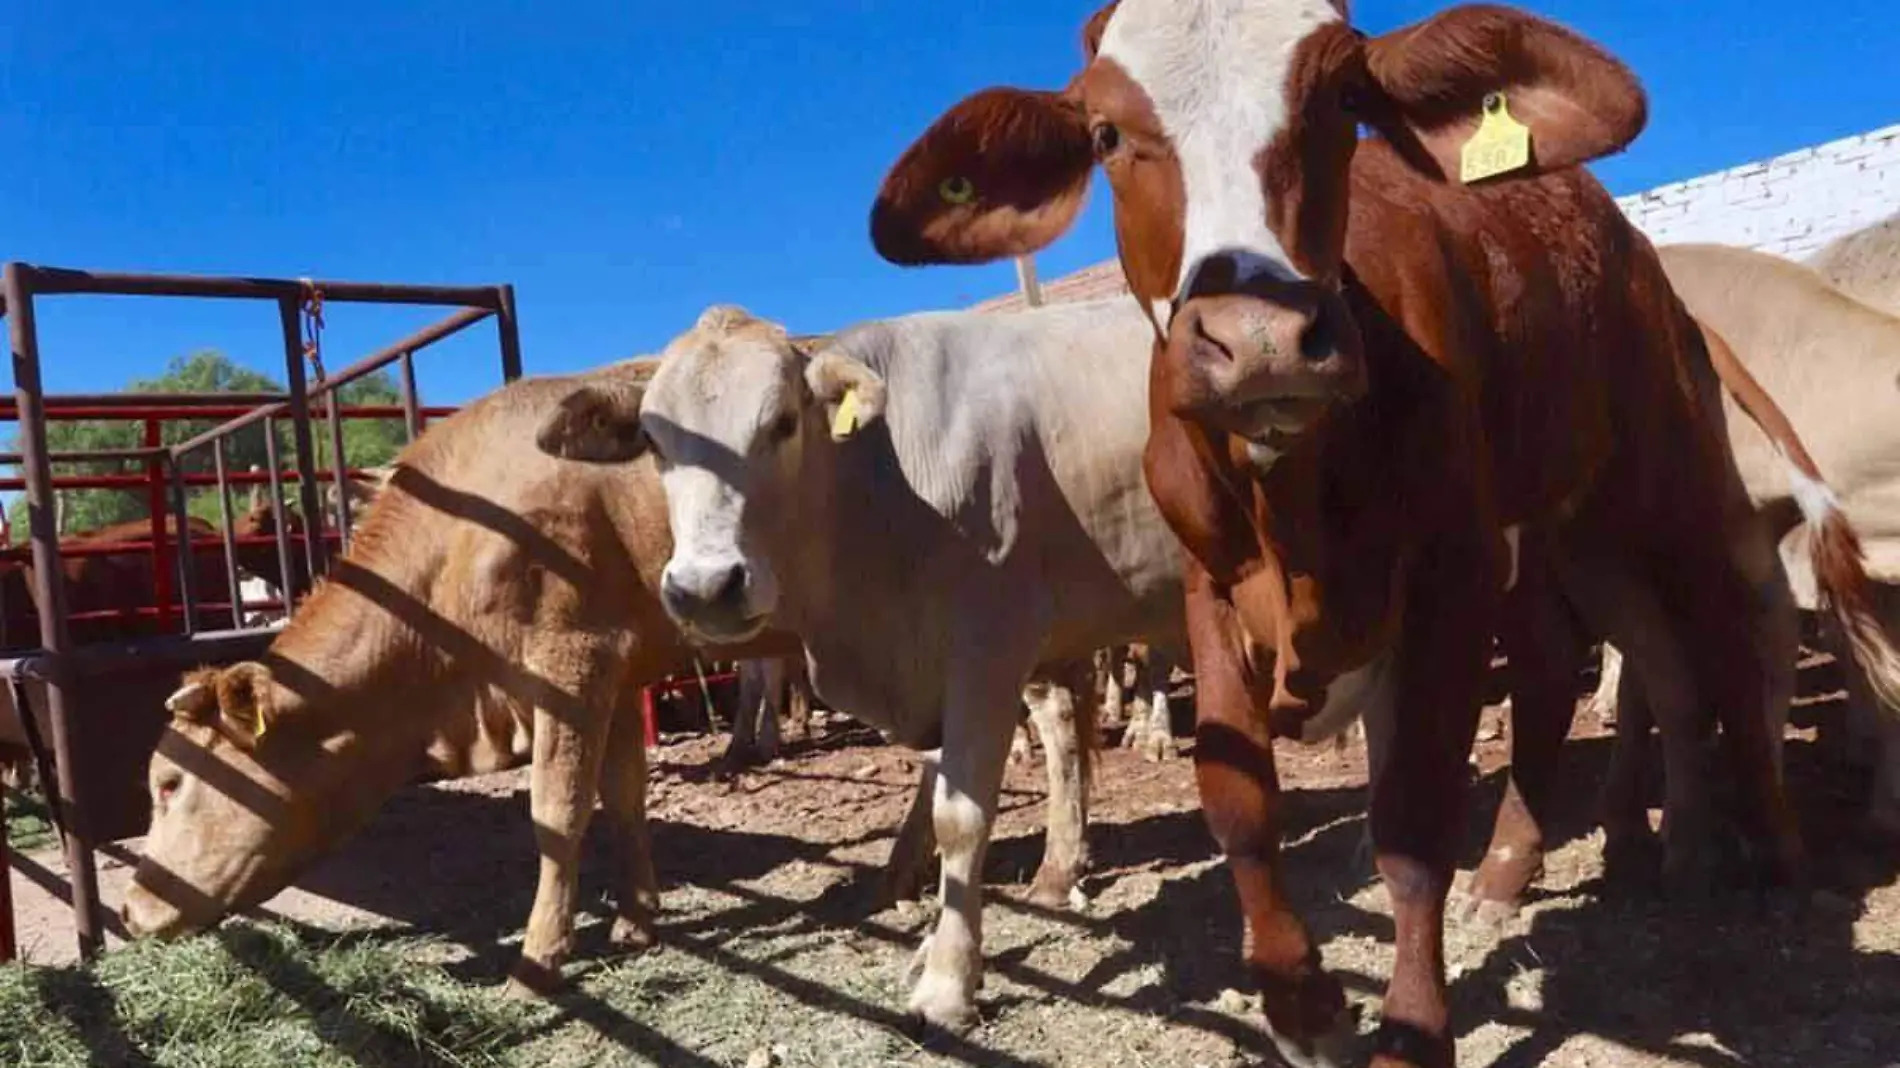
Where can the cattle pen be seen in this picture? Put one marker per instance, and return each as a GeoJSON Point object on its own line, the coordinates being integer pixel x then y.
{"type": "Point", "coordinates": [86, 718]}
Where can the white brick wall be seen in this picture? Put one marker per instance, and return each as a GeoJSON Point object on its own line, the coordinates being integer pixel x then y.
{"type": "Point", "coordinates": [1791, 205]}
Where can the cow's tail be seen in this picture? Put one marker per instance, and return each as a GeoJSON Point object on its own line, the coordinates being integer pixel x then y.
{"type": "Point", "coordinates": [1840, 566]}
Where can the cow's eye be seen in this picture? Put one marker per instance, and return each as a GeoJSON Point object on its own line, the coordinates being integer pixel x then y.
{"type": "Point", "coordinates": [784, 427]}
{"type": "Point", "coordinates": [1106, 139]}
{"type": "Point", "coordinates": [166, 787]}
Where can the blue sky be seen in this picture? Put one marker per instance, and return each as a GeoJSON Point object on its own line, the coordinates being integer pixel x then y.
{"type": "Point", "coordinates": [625, 164]}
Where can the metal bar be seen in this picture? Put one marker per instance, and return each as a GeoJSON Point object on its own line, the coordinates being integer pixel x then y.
{"type": "Point", "coordinates": [230, 535]}
{"type": "Point", "coordinates": [287, 580]}
{"type": "Point", "coordinates": [508, 326]}
{"type": "Point", "coordinates": [388, 354]}
{"type": "Point", "coordinates": [411, 418]}
{"type": "Point", "coordinates": [17, 282]}
{"type": "Point", "coordinates": [72, 548]}
{"type": "Point", "coordinates": [141, 413]}
{"type": "Point", "coordinates": [1026, 278]}
{"type": "Point", "coordinates": [51, 280]}
{"type": "Point", "coordinates": [89, 455]}
{"type": "Point", "coordinates": [287, 312]}
{"type": "Point", "coordinates": [133, 481]}
{"type": "Point", "coordinates": [368, 365]}
{"type": "Point", "coordinates": [337, 468]}
{"type": "Point", "coordinates": [143, 654]}
{"type": "Point", "coordinates": [188, 559]}
{"type": "Point", "coordinates": [155, 508]}
{"type": "Point", "coordinates": [56, 401]}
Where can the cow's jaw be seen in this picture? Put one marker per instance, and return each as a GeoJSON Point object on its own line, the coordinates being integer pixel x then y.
{"type": "Point", "coordinates": [1215, 73]}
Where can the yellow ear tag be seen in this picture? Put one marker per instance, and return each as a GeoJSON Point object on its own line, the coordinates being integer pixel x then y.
{"type": "Point", "coordinates": [1501, 145]}
{"type": "Point", "coordinates": [845, 423]}
{"type": "Point", "coordinates": [259, 727]}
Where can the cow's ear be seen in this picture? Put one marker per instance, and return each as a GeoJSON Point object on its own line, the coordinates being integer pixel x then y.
{"type": "Point", "coordinates": [597, 423]}
{"type": "Point", "coordinates": [196, 699]}
{"type": "Point", "coordinates": [1094, 28]}
{"type": "Point", "coordinates": [851, 394]}
{"type": "Point", "coordinates": [1482, 91]}
{"type": "Point", "coordinates": [1003, 173]}
{"type": "Point", "coordinates": [247, 702]}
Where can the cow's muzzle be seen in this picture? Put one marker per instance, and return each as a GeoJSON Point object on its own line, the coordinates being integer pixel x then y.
{"type": "Point", "coordinates": [716, 600]}
{"type": "Point", "coordinates": [1263, 363]}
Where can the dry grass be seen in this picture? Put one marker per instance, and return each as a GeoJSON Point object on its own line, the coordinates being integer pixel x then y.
{"type": "Point", "coordinates": [254, 996]}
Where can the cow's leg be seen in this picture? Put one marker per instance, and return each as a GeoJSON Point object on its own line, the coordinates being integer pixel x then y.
{"type": "Point", "coordinates": [798, 700]}
{"type": "Point", "coordinates": [1108, 683]}
{"type": "Point", "coordinates": [1609, 678]}
{"type": "Point", "coordinates": [1053, 706]}
{"type": "Point", "coordinates": [1630, 848]}
{"type": "Point", "coordinates": [1240, 798]}
{"type": "Point", "coordinates": [979, 713]}
{"type": "Point", "coordinates": [570, 739]}
{"type": "Point", "coordinates": [1873, 726]}
{"type": "Point", "coordinates": [1545, 650]}
{"type": "Point", "coordinates": [742, 747]}
{"type": "Point", "coordinates": [916, 844]}
{"type": "Point", "coordinates": [1157, 733]}
{"type": "Point", "coordinates": [1418, 794]}
{"type": "Point", "coordinates": [623, 801]}
{"type": "Point", "coordinates": [771, 707]}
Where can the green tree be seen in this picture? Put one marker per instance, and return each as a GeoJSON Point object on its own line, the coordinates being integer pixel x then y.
{"type": "Point", "coordinates": [366, 442]}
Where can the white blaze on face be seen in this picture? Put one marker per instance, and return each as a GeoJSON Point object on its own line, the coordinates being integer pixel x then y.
{"type": "Point", "coordinates": [707, 416]}
{"type": "Point", "coordinates": [1216, 71]}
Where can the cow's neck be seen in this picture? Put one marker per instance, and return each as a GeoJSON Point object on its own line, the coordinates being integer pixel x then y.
{"type": "Point", "coordinates": [371, 685]}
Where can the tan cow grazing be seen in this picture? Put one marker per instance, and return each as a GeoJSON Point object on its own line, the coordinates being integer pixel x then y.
{"type": "Point", "coordinates": [1409, 392]}
{"type": "Point", "coordinates": [496, 606]}
{"type": "Point", "coordinates": [933, 505]}
{"type": "Point", "coordinates": [495, 603]}
{"type": "Point", "coordinates": [1833, 364]}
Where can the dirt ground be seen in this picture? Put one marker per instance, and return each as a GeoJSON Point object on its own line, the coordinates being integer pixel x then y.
{"type": "Point", "coordinates": [772, 956]}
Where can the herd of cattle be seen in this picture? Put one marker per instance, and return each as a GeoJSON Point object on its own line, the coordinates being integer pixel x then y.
{"type": "Point", "coordinates": [1363, 419]}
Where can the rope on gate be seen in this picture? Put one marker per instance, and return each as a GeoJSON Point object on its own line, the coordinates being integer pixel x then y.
{"type": "Point", "coordinates": [313, 327]}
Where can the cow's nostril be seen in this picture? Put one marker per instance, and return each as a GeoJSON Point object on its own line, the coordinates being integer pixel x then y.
{"type": "Point", "coordinates": [1204, 339]}
{"type": "Point", "coordinates": [732, 586]}
{"type": "Point", "coordinates": [1319, 340]}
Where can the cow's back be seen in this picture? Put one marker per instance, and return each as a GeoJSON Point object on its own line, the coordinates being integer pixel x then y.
{"type": "Point", "coordinates": [1831, 363]}
{"type": "Point", "coordinates": [1541, 303]}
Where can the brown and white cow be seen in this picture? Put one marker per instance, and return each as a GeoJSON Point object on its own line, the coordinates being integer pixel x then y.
{"type": "Point", "coordinates": [1381, 396]}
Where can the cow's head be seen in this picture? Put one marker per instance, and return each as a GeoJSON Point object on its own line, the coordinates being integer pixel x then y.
{"type": "Point", "coordinates": [1227, 129]}
{"type": "Point", "coordinates": [243, 799]}
{"type": "Point", "coordinates": [732, 416]}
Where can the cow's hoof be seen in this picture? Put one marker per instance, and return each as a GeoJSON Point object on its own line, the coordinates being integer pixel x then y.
{"type": "Point", "coordinates": [1330, 1049]}
{"type": "Point", "coordinates": [1053, 888]}
{"type": "Point", "coordinates": [942, 1002]}
{"type": "Point", "coordinates": [1158, 748]}
{"type": "Point", "coordinates": [531, 981]}
{"type": "Point", "coordinates": [1480, 913]}
{"type": "Point", "coordinates": [630, 935]}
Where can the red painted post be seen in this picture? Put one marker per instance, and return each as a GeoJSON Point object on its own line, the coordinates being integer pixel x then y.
{"type": "Point", "coordinates": [648, 718]}
{"type": "Point", "coordinates": [161, 552]}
